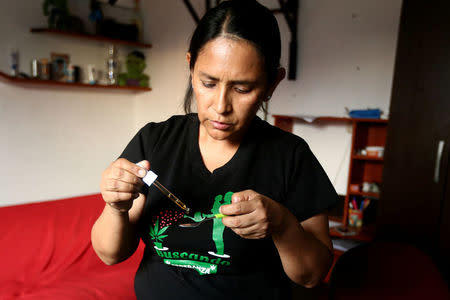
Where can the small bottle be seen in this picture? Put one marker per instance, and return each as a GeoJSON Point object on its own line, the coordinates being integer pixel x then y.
{"type": "Point", "coordinates": [35, 68]}
{"type": "Point", "coordinates": [45, 69]}
{"type": "Point", "coordinates": [70, 73]}
{"type": "Point", "coordinates": [111, 65]}
{"type": "Point", "coordinates": [91, 75]}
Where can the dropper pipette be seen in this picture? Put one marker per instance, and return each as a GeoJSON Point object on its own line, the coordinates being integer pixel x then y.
{"type": "Point", "coordinates": [150, 179]}
{"type": "Point", "coordinates": [171, 196]}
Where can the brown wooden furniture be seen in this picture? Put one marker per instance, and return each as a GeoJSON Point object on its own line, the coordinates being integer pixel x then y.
{"type": "Point", "coordinates": [52, 83]}
{"type": "Point", "coordinates": [415, 202]}
{"type": "Point", "coordinates": [363, 168]}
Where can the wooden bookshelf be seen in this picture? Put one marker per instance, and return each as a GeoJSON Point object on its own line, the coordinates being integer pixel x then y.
{"type": "Point", "coordinates": [87, 36]}
{"type": "Point", "coordinates": [52, 83]}
{"type": "Point", "coordinates": [363, 168]}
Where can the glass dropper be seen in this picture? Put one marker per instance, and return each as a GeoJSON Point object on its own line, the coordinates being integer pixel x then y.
{"type": "Point", "coordinates": [150, 179]}
{"type": "Point", "coordinates": [171, 196]}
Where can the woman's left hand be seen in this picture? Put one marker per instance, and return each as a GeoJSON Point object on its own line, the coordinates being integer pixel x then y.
{"type": "Point", "coordinates": [252, 215]}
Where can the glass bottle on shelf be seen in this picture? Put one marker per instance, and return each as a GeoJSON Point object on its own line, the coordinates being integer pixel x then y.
{"type": "Point", "coordinates": [111, 65]}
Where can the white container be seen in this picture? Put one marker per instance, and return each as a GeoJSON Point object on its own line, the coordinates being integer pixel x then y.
{"type": "Point", "coordinates": [91, 74]}
{"type": "Point", "coordinates": [375, 151]}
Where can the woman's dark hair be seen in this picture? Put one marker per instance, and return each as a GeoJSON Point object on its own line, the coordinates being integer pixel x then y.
{"type": "Point", "coordinates": [245, 19]}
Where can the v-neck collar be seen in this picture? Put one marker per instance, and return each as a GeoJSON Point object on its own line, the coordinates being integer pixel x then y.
{"type": "Point", "coordinates": [197, 160]}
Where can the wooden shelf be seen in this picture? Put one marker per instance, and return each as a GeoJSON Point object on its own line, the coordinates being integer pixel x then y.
{"type": "Point", "coordinates": [365, 194]}
{"type": "Point", "coordinates": [90, 37]}
{"type": "Point", "coordinates": [313, 118]}
{"type": "Point", "coordinates": [365, 157]}
{"type": "Point", "coordinates": [328, 119]}
{"type": "Point", "coordinates": [369, 120]}
{"type": "Point", "coordinates": [52, 83]}
{"type": "Point", "coordinates": [286, 122]}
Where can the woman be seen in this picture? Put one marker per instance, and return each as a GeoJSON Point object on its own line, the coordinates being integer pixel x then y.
{"type": "Point", "coordinates": [224, 159]}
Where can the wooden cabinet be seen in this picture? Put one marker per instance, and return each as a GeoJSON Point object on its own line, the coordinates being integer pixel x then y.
{"type": "Point", "coordinates": [415, 203]}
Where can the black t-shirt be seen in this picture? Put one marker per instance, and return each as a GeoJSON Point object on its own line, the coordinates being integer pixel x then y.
{"type": "Point", "coordinates": [211, 261]}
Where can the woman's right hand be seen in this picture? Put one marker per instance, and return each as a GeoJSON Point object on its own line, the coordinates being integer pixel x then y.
{"type": "Point", "coordinates": [121, 182]}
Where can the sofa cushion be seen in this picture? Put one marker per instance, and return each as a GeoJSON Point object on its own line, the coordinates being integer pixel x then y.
{"type": "Point", "coordinates": [46, 253]}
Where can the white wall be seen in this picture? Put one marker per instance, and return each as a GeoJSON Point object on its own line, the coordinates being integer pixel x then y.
{"type": "Point", "coordinates": [56, 142]}
{"type": "Point", "coordinates": [169, 28]}
{"type": "Point", "coordinates": [346, 59]}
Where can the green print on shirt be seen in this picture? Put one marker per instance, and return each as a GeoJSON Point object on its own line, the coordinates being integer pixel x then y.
{"type": "Point", "coordinates": [157, 235]}
{"type": "Point", "coordinates": [201, 267]}
{"type": "Point", "coordinates": [202, 264]}
{"type": "Point", "coordinates": [218, 227]}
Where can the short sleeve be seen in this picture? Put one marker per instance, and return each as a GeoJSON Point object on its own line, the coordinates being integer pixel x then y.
{"type": "Point", "coordinates": [139, 148]}
{"type": "Point", "coordinates": [136, 149]}
{"type": "Point", "coordinates": [310, 191]}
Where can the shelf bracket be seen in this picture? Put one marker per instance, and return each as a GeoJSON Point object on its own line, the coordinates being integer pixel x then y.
{"type": "Point", "coordinates": [289, 8]}
{"type": "Point", "coordinates": [194, 13]}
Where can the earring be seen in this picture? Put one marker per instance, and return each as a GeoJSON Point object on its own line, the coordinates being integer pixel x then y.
{"type": "Point", "coordinates": [268, 97]}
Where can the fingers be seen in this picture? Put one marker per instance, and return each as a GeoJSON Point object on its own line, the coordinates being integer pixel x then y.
{"type": "Point", "coordinates": [250, 215]}
{"type": "Point", "coordinates": [250, 226]}
{"type": "Point", "coordinates": [120, 196]}
{"type": "Point", "coordinates": [246, 195]}
{"type": "Point", "coordinates": [240, 203]}
{"type": "Point", "coordinates": [116, 185]}
{"type": "Point", "coordinates": [144, 164]}
{"type": "Point", "coordinates": [252, 232]}
{"type": "Point", "coordinates": [122, 180]}
{"type": "Point", "coordinates": [135, 169]}
{"type": "Point", "coordinates": [127, 171]}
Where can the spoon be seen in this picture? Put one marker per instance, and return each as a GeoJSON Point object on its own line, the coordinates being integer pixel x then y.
{"type": "Point", "coordinates": [196, 224]}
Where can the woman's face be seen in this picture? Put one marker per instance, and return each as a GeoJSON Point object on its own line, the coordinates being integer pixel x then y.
{"type": "Point", "coordinates": [229, 83]}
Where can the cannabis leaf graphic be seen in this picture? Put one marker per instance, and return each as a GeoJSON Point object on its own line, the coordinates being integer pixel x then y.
{"type": "Point", "coordinates": [156, 233]}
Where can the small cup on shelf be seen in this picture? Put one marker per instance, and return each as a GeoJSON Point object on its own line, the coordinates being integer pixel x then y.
{"type": "Point", "coordinates": [375, 151]}
{"type": "Point", "coordinates": [355, 217]}
{"type": "Point", "coordinates": [366, 187]}
{"type": "Point", "coordinates": [354, 187]}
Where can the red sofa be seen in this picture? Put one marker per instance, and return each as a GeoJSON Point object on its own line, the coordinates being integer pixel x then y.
{"type": "Point", "coordinates": [46, 253]}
